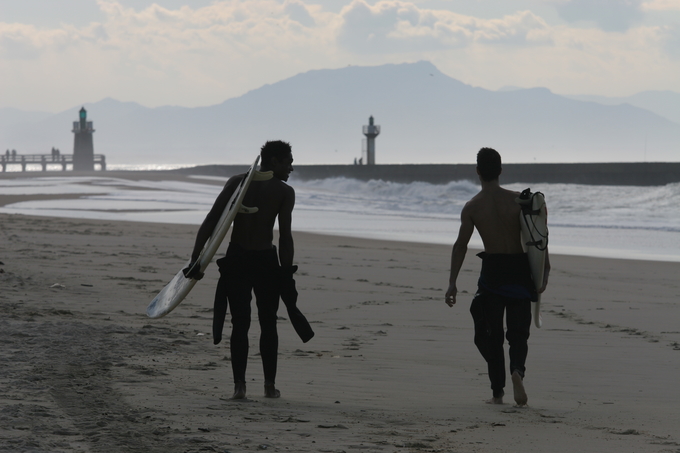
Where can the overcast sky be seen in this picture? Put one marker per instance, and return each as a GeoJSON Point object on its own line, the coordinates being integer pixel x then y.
{"type": "Point", "coordinates": [58, 54]}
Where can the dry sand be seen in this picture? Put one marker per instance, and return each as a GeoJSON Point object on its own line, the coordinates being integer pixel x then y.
{"type": "Point", "coordinates": [391, 369]}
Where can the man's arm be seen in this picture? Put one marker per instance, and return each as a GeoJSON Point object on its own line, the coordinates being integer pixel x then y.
{"type": "Point", "coordinates": [286, 247]}
{"type": "Point", "coordinates": [467, 227]}
{"type": "Point", "coordinates": [208, 225]}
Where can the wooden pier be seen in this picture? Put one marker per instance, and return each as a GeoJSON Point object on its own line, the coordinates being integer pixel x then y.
{"type": "Point", "coordinates": [65, 161]}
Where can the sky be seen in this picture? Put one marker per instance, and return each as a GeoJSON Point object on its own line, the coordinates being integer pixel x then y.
{"type": "Point", "coordinates": [56, 55]}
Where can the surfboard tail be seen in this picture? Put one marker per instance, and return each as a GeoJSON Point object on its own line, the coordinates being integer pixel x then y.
{"type": "Point", "coordinates": [536, 312]}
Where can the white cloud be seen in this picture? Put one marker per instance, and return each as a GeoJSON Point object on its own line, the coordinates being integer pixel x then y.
{"type": "Point", "coordinates": [670, 39]}
{"type": "Point", "coordinates": [297, 11]}
{"type": "Point", "coordinates": [26, 42]}
{"type": "Point", "coordinates": [610, 15]}
{"type": "Point", "coordinates": [588, 61]}
{"type": "Point", "coordinates": [162, 56]}
{"type": "Point", "coordinates": [521, 28]}
{"type": "Point", "coordinates": [204, 55]}
{"type": "Point", "coordinates": [661, 5]}
{"type": "Point", "coordinates": [396, 26]}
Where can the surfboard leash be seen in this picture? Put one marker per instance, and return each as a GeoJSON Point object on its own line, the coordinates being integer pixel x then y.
{"type": "Point", "coordinates": [526, 203]}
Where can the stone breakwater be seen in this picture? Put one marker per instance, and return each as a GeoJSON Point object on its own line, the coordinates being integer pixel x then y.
{"type": "Point", "coordinates": [616, 174]}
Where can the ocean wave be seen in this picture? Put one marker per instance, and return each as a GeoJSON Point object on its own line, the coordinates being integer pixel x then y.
{"type": "Point", "coordinates": [665, 229]}
{"type": "Point", "coordinates": [652, 208]}
{"type": "Point", "coordinates": [385, 196]}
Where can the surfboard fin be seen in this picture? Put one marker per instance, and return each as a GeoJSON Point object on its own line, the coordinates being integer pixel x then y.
{"type": "Point", "coordinates": [247, 210]}
{"type": "Point", "coordinates": [263, 175]}
{"type": "Point", "coordinates": [257, 176]}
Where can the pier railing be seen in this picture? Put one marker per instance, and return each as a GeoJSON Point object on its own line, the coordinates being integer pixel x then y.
{"type": "Point", "coordinates": [45, 161]}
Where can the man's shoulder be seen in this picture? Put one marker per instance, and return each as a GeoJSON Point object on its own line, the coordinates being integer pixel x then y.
{"type": "Point", "coordinates": [282, 186]}
{"type": "Point", "coordinates": [510, 193]}
{"type": "Point", "coordinates": [275, 189]}
{"type": "Point", "coordinates": [288, 193]}
{"type": "Point", "coordinates": [491, 198]}
{"type": "Point", "coordinates": [474, 201]}
{"type": "Point", "coordinates": [495, 193]}
{"type": "Point", "coordinates": [236, 179]}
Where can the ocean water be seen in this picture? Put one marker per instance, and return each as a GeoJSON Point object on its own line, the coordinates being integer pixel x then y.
{"type": "Point", "coordinates": [604, 221]}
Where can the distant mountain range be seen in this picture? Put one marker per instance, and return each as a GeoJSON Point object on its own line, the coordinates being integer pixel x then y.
{"type": "Point", "coordinates": [664, 103]}
{"type": "Point", "coordinates": [426, 117]}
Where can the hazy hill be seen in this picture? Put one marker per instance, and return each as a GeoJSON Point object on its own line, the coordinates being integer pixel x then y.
{"type": "Point", "coordinates": [664, 103]}
{"type": "Point", "coordinates": [426, 117]}
{"type": "Point", "coordinates": [11, 118]}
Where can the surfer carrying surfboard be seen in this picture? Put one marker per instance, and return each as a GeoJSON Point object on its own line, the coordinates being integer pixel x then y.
{"type": "Point", "coordinates": [505, 284]}
{"type": "Point", "coordinates": [252, 263]}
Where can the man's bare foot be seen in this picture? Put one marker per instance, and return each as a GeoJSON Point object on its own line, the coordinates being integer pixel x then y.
{"type": "Point", "coordinates": [518, 389]}
{"type": "Point", "coordinates": [495, 400]}
{"type": "Point", "coordinates": [239, 391]}
{"type": "Point", "coordinates": [270, 391]}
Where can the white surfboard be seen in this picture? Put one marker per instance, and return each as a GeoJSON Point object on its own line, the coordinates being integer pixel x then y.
{"type": "Point", "coordinates": [534, 222]}
{"type": "Point", "coordinates": [178, 288]}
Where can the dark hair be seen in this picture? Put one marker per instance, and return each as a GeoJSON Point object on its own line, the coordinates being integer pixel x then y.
{"type": "Point", "coordinates": [489, 164]}
{"type": "Point", "coordinates": [275, 148]}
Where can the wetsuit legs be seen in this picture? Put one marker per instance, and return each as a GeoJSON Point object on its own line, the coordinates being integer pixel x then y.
{"type": "Point", "coordinates": [267, 306]}
{"type": "Point", "coordinates": [239, 305]}
{"type": "Point", "coordinates": [267, 298]}
{"type": "Point", "coordinates": [244, 272]}
{"type": "Point", "coordinates": [487, 313]}
{"type": "Point", "coordinates": [518, 319]}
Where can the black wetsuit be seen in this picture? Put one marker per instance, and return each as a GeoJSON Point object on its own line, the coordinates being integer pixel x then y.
{"type": "Point", "coordinates": [241, 273]}
{"type": "Point", "coordinates": [504, 285]}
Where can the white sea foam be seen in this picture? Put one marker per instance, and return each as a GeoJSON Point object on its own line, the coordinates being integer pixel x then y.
{"type": "Point", "coordinates": [615, 221]}
{"type": "Point", "coordinates": [148, 167]}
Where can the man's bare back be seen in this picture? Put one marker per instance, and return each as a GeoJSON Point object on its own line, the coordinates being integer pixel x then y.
{"type": "Point", "coordinates": [255, 231]}
{"type": "Point", "coordinates": [495, 214]}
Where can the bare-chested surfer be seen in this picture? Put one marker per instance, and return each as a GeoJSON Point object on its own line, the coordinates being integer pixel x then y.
{"type": "Point", "coordinates": [252, 264]}
{"type": "Point", "coordinates": [505, 283]}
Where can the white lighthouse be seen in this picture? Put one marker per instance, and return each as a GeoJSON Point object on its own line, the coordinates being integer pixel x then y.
{"type": "Point", "coordinates": [83, 148]}
{"type": "Point", "coordinates": [371, 132]}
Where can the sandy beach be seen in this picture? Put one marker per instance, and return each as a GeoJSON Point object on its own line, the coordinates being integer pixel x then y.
{"type": "Point", "coordinates": [391, 369]}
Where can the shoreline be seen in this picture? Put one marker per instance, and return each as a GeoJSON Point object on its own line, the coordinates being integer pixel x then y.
{"type": "Point", "coordinates": [390, 368]}
{"type": "Point", "coordinates": [554, 250]}
{"type": "Point", "coordinates": [573, 240]}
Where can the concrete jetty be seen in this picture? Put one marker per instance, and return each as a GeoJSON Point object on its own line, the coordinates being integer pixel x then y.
{"type": "Point", "coordinates": [616, 174]}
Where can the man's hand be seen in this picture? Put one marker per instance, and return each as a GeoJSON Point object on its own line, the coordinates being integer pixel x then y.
{"type": "Point", "coordinates": [451, 295]}
{"type": "Point", "coordinates": [192, 271]}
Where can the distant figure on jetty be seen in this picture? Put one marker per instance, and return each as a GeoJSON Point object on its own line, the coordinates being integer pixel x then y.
{"type": "Point", "coordinates": [505, 283]}
{"type": "Point", "coordinates": [252, 264]}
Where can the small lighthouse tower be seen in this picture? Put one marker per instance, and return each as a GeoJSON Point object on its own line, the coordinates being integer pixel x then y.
{"type": "Point", "coordinates": [83, 148]}
{"type": "Point", "coordinates": [371, 132]}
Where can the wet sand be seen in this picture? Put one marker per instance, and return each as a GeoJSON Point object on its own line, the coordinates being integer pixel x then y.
{"type": "Point", "coordinates": [392, 368]}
